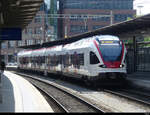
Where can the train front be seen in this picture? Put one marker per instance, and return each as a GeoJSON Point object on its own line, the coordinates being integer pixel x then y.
{"type": "Point", "coordinates": [112, 53]}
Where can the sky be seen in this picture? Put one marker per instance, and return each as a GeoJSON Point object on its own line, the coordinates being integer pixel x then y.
{"type": "Point", "coordinates": [47, 2]}
{"type": "Point", "coordinates": [145, 6]}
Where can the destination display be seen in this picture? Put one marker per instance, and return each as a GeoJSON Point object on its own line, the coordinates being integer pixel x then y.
{"type": "Point", "coordinates": [107, 42]}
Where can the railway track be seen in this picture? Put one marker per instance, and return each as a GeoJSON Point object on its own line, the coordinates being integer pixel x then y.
{"type": "Point", "coordinates": [65, 101]}
{"type": "Point", "coordinates": [138, 96]}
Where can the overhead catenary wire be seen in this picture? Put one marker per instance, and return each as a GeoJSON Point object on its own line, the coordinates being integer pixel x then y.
{"type": "Point", "coordinates": [72, 16]}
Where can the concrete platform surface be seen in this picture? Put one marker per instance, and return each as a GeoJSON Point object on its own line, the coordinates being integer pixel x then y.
{"type": "Point", "coordinates": [18, 95]}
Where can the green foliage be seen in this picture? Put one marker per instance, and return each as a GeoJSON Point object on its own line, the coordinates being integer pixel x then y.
{"type": "Point", "coordinates": [129, 18]}
{"type": "Point", "coordinates": [147, 39]}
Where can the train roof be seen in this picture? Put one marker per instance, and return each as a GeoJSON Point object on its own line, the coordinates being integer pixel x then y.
{"type": "Point", "coordinates": [38, 52]}
{"type": "Point", "coordinates": [107, 37]}
{"type": "Point", "coordinates": [53, 49]}
{"type": "Point", "coordinates": [87, 42]}
{"type": "Point", "coordinates": [25, 53]}
{"type": "Point", "coordinates": [83, 43]}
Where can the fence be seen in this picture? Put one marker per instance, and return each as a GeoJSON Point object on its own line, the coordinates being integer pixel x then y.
{"type": "Point", "coordinates": [139, 62]}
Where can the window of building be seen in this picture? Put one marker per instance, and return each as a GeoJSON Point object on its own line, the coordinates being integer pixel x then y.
{"type": "Point", "coordinates": [102, 18]}
{"type": "Point", "coordinates": [29, 42]}
{"type": "Point", "coordinates": [20, 43]}
{"type": "Point", "coordinates": [38, 30]}
{"type": "Point", "coordinates": [98, 4]}
{"type": "Point", "coordinates": [29, 31]}
{"type": "Point", "coordinates": [78, 28]}
{"type": "Point", "coordinates": [38, 19]}
{"type": "Point", "coordinates": [11, 44]}
{"type": "Point", "coordinates": [122, 17]}
{"type": "Point", "coordinates": [4, 45]}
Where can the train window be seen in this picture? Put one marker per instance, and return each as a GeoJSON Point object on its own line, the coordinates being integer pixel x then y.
{"type": "Point", "coordinates": [39, 60]}
{"type": "Point", "coordinates": [57, 60]}
{"type": "Point", "coordinates": [52, 60]}
{"type": "Point", "coordinates": [49, 59]}
{"type": "Point", "coordinates": [64, 60]}
{"type": "Point", "coordinates": [43, 59]}
{"type": "Point", "coordinates": [67, 60]}
{"type": "Point", "coordinates": [81, 58]}
{"type": "Point", "coordinates": [46, 60]}
{"type": "Point", "coordinates": [60, 59]}
{"type": "Point", "coordinates": [33, 60]}
{"type": "Point", "coordinates": [72, 59]}
{"type": "Point", "coordinates": [93, 58]}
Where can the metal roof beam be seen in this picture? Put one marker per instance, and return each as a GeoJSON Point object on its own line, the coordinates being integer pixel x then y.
{"type": "Point", "coordinates": [18, 12]}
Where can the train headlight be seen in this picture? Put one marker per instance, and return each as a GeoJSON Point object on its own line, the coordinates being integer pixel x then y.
{"type": "Point", "coordinates": [121, 65]}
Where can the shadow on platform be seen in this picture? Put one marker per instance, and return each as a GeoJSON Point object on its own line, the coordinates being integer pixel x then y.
{"type": "Point", "coordinates": [7, 92]}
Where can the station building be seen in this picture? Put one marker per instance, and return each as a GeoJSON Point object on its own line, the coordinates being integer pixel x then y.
{"type": "Point", "coordinates": [36, 31]}
{"type": "Point", "coordinates": [120, 10]}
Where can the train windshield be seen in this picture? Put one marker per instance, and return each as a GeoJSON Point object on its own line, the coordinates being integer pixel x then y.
{"type": "Point", "coordinates": [111, 50]}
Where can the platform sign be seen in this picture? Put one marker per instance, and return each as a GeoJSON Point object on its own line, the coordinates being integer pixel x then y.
{"type": "Point", "coordinates": [10, 33]}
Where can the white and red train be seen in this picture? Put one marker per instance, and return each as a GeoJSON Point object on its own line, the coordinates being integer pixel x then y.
{"type": "Point", "coordinates": [95, 59]}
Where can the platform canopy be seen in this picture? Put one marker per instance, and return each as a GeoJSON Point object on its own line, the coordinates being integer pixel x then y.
{"type": "Point", "coordinates": [126, 29]}
{"type": "Point", "coordinates": [18, 13]}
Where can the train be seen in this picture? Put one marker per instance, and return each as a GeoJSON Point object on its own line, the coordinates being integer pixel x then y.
{"type": "Point", "coordinates": [99, 59]}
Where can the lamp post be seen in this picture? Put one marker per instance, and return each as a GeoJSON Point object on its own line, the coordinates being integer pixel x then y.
{"type": "Point", "coordinates": [140, 7]}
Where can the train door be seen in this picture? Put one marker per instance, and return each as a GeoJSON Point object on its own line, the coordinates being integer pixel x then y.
{"type": "Point", "coordinates": [62, 62]}
{"type": "Point", "coordinates": [54, 62]}
{"type": "Point", "coordinates": [49, 62]}
{"type": "Point", "coordinates": [86, 60]}
{"type": "Point", "coordinates": [75, 61]}
{"type": "Point", "coordinates": [93, 65]}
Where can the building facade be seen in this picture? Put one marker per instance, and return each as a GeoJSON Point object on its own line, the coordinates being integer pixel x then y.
{"type": "Point", "coordinates": [35, 33]}
{"type": "Point", "coordinates": [117, 11]}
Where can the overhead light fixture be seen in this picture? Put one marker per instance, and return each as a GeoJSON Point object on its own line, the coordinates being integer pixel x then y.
{"type": "Point", "coordinates": [18, 3]}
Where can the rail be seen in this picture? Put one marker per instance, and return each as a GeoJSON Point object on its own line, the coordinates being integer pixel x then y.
{"type": "Point", "coordinates": [67, 100]}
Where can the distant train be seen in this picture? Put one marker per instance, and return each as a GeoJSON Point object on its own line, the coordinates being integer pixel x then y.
{"type": "Point", "coordinates": [98, 59]}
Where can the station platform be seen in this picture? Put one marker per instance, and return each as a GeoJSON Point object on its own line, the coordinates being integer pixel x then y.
{"type": "Point", "coordinates": [18, 95]}
{"type": "Point", "coordinates": [140, 75]}
{"type": "Point", "coordinates": [140, 79]}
